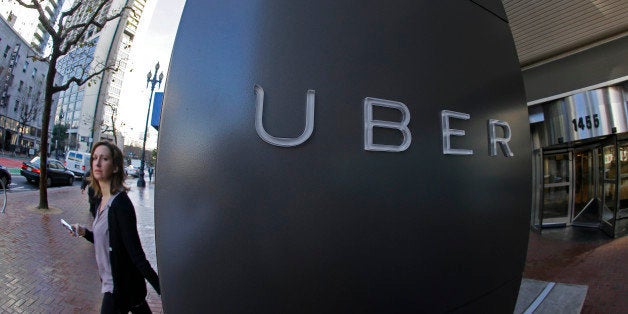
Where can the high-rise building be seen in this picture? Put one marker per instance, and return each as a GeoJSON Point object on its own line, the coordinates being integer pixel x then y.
{"type": "Point", "coordinates": [21, 92]}
{"type": "Point", "coordinates": [90, 111]}
{"type": "Point", "coordinates": [26, 21]}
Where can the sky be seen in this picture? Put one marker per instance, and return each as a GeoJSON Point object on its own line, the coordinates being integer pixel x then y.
{"type": "Point", "coordinates": [153, 43]}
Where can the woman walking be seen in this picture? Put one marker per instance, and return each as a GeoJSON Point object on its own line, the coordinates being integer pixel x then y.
{"type": "Point", "coordinates": [121, 261]}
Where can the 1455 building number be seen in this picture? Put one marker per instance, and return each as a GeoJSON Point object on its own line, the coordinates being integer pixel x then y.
{"type": "Point", "coordinates": [589, 121]}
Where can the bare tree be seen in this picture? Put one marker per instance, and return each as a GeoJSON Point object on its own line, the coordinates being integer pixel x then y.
{"type": "Point", "coordinates": [28, 111]}
{"type": "Point", "coordinates": [112, 126]}
{"type": "Point", "coordinates": [69, 33]}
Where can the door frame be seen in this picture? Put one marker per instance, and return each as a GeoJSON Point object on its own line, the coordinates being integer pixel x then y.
{"type": "Point", "coordinates": [562, 221]}
{"type": "Point", "coordinates": [595, 149]}
{"type": "Point", "coordinates": [606, 226]}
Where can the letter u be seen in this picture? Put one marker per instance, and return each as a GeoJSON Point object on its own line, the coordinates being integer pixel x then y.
{"type": "Point", "coordinates": [283, 141]}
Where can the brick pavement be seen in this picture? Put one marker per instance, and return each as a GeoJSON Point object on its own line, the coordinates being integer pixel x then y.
{"type": "Point", "coordinates": [43, 269]}
{"type": "Point", "coordinates": [586, 257]}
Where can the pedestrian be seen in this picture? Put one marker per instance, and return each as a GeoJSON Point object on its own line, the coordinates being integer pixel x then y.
{"type": "Point", "coordinates": [150, 173]}
{"type": "Point", "coordinates": [91, 195]}
{"type": "Point", "coordinates": [122, 264]}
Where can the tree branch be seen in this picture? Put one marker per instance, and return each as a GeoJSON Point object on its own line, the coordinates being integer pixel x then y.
{"type": "Point", "coordinates": [79, 81]}
{"type": "Point", "coordinates": [45, 22]}
{"type": "Point", "coordinates": [69, 12]}
{"type": "Point", "coordinates": [39, 58]}
{"type": "Point", "coordinates": [81, 28]}
{"type": "Point", "coordinates": [28, 6]}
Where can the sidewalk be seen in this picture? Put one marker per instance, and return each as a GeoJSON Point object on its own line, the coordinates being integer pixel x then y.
{"type": "Point", "coordinates": [582, 256]}
{"type": "Point", "coordinates": [43, 269]}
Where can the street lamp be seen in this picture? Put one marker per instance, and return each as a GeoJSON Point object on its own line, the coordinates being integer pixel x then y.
{"type": "Point", "coordinates": [149, 81]}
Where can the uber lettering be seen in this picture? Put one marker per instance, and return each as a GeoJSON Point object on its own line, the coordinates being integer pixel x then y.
{"type": "Point", "coordinates": [401, 126]}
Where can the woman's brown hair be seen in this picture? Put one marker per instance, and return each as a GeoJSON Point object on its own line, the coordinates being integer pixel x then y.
{"type": "Point", "coordinates": [118, 177]}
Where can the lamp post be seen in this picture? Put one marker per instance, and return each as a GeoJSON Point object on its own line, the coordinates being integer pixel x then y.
{"type": "Point", "coordinates": [149, 81]}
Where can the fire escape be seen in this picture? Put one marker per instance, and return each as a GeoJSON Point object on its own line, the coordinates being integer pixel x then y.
{"type": "Point", "coordinates": [4, 90]}
{"type": "Point", "coordinates": [8, 78]}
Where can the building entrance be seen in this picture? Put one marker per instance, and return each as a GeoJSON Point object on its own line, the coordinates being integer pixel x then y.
{"type": "Point", "coordinates": [582, 185]}
{"type": "Point", "coordinates": [580, 160]}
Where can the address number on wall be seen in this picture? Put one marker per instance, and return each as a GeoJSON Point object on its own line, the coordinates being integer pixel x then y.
{"type": "Point", "coordinates": [588, 122]}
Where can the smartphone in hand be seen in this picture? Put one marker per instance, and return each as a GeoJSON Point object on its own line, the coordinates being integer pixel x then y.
{"type": "Point", "coordinates": [69, 227]}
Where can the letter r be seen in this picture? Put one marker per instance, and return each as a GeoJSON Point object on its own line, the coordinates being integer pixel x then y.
{"type": "Point", "coordinates": [503, 141]}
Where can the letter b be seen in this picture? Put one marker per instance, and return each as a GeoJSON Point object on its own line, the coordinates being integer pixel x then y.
{"type": "Point", "coordinates": [369, 124]}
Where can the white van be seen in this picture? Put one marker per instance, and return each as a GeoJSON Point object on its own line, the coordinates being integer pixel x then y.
{"type": "Point", "coordinates": [77, 162]}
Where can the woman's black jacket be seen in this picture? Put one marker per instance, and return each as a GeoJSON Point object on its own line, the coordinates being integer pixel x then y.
{"type": "Point", "coordinates": [129, 266]}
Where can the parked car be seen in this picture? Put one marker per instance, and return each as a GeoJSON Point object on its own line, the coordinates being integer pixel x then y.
{"type": "Point", "coordinates": [5, 176]}
{"type": "Point", "coordinates": [57, 173]}
{"type": "Point", "coordinates": [77, 162]}
{"type": "Point", "coordinates": [133, 170]}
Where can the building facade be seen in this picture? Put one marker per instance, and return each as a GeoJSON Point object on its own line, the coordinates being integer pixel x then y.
{"type": "Point", "coordinates": [90, 111]}
{"type": "Point", "coordinates": [574, 63]}
{"type": "Point", "coordinates": [22, 83]}
{"type": "Point", "coordinates": [26, 23]}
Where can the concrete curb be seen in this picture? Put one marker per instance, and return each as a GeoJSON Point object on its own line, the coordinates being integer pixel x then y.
{"type": "Point", "coordinates": [537, 296]}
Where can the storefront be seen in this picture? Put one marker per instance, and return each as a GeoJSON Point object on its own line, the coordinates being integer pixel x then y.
{"type": "Point", "coordinates": [580, 161]}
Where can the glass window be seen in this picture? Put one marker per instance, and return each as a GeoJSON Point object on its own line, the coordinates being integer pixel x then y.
{"type": "Point", "coordinates": [623, 188]}
{"type": "Point", "coordinates": [556, 188]}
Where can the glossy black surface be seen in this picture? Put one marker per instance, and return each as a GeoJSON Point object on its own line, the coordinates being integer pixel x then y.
{"type": "Point", "coordinates": [327, 227]}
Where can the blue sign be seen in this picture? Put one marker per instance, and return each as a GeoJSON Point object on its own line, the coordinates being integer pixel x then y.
{"type": "Point", "coordinates": [156, 116]}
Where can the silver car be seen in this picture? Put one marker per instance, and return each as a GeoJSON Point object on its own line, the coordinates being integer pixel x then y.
{"type": "Point", "coordinates": [132, 171]}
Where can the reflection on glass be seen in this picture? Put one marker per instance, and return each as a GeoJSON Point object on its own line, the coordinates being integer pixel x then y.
{"type": "Point", "coordinates": [537, 173]}
{"type": "Point", "coordinates": [610, 184]}
{"type": "Point", "coordinates": [623, 175]}
{"type": "Point", "coordinates": [584, 184]}
{"type": "Point", "coordinates": [555, 202]}
{"type": "Point", "coordinates": [586, 204]}
{"type": "Point", "coordinates": [556, 168]}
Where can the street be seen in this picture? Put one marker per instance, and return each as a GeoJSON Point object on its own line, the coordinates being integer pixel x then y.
{"type": "Point", "coordinates": [19, 184]}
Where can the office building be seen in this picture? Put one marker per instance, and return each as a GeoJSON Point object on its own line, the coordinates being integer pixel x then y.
{"type": "Point", "coordinates": [26, 21]}
{"type": "Point", "coordinates": [88, 109]}
{"type": "Point", "coordinates": [575, 70]}
{"type": "Point", "coordinates": [22, 82]}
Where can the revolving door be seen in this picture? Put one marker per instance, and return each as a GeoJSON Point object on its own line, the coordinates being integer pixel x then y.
{"type": "Point", "coordinates": [581, 187]}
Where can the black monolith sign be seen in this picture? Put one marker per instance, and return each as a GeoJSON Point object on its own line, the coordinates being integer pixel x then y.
{"type": "Point", "coordinates": [339, 156]}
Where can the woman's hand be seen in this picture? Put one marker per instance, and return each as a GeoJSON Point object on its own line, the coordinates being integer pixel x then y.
{"type": "Point", "coordinates": [80, 230]}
